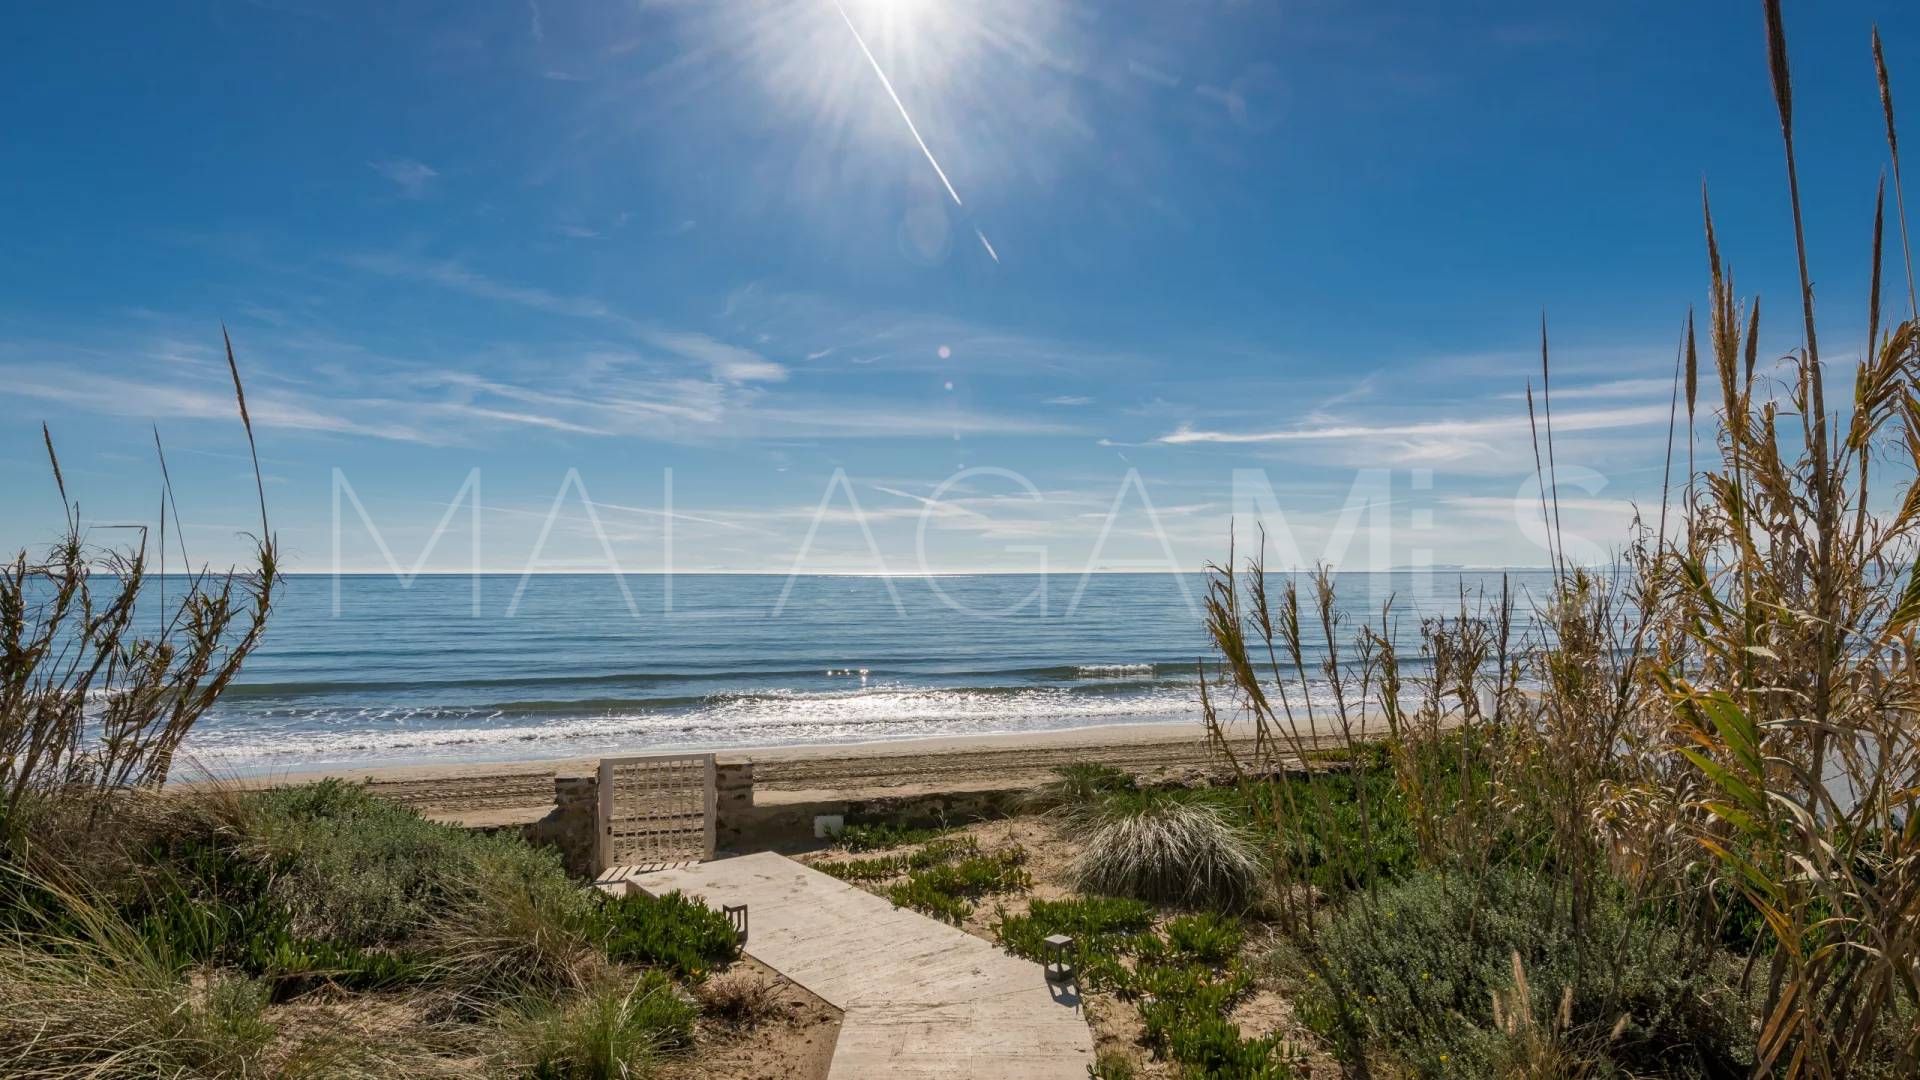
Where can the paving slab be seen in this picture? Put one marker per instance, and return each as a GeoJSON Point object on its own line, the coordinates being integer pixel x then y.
{"type": "Point", "coordinates": [920, 1000]}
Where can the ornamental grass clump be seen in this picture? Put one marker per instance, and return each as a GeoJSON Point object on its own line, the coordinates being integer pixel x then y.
{"type": "Point", "coordinates": [1164, 847]}
{"type": "Point", "coordinates": [615, 1030]}
{"type": "Point", "coordinates": [99, 998]}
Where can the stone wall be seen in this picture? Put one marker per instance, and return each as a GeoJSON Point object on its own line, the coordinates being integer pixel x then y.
{"type": "Point", "coordinates": [733, 804]}
{"type": "Point", "coordinates": [741, 826]}
{"type": "Point", "coordinates": [570, 825]}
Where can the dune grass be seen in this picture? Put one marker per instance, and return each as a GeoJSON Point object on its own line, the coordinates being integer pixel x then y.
{"type": "Point", "coordinates": [617, 1029]}
{"type": "Point", "coordinates": [170, 939]}
{"type": "Point", "coordinates": [1167, 847]}
{"type": "Point", "coordinates": [1076, 787]}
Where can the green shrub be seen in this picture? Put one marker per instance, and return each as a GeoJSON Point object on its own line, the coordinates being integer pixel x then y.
{"type": "Point", "coordinates": [923, 896]}
{"type": "Point", "coordinates": [199, 901]}
{"type": "Point", "coordinates": [937, 852]}
{"type": "Point", "coordinates": [1186, 982]}
{"type": "Point", "coordinates": [1166, 847]}
{"type": "Point", "coordinates": [1322, 838]}
{"type": "Point", "coordinates": [1212, 1047]}
{"type": "Point", "coordinates": [978, 875]}
{"type": "Point", "coordinates": [1419, 968]}
{"type": "Point", "coordinates": [1086, 919]}
{"type": "Point", "coordinates": [673, 932]}
{"type": "Point", "coordinates": [885, 835]}
{"type": "Point", "coordinates": [1205, 938]}
{"type": "Point", "coordinates": [943, 850]}
{"type": "Point", "coordinates": [149, 968]}
{"type": "Point", "coordinates": [202, 897]}
{"type": "Point", "coordinates": [1103, 929]}
{"type": "Point", "coordinates": [324, 882]}
{"type": "Point", "coordinates": [1194, 988]}
{"type": "Point", "coordinates": [613, 1031]}
{"type": "Point", "coordinates": [1185, 1005]}
{"type": "Point", "coordinates": [292, 964]}
{"type": "Point", "coordinates": [359, 870]}
{"type": "Point", "coordinates": [878, 868]}
{"type": "Point", "coordinates": [943, 890]}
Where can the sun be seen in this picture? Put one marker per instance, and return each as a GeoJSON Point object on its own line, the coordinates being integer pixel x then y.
{"type": "Point", "coordinates": [950, 82]}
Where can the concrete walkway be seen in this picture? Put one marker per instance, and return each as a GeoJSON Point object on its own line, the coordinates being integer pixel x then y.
{"type": "Point", "coordinates": [920, 999]}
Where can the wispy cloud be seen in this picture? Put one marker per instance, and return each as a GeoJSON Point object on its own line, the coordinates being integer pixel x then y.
{"type": "Point", "coordinates": [1591, 420]}
{"type": "Point", "coordinates": [673, 515]}
{"type": "Point", "coordinates": [450, 274]}
{"type": "Point", "coordinates": [1497, 507]}
{"type": "Point", "coordinates": [1361, 389]}
{"type": "Point", "coordinates": [508, 416]}
{"type": "Point", "coordinates": [120, 396]}
{"type": "Point", "coordinates": [1616, 388]}
{"type": "Point", "coordinates": [877, 418]}
{"type": "Point", "coordinates": [1152, 74]}
{"type": "Point", "coordinates": [410, 176]}
{"type": "Point", "coordinates": [729, 362]}
{"type": "Point", "coordinates": [1069, 399]}
{"type": "Point", "coordinates": [827, 327]}
{"type": "Point", "coordinates": [931, 507]}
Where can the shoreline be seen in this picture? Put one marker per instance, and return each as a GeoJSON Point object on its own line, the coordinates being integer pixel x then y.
{"type": "Point", "coordinates": [801, 773]}
{"type": "Point", "coordinates": [1091, 736]}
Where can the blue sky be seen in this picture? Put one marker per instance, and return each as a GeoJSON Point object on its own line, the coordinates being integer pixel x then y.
{"type": "Point", "coordinates": [1095, 258]}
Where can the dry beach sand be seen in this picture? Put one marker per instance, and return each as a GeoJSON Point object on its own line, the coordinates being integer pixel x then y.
{"type": "Point", "coordinates": [492, 792]}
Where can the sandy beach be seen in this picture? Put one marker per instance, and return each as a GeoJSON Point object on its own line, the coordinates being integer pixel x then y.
{"type": "Point", "coordinates": [494, 790]}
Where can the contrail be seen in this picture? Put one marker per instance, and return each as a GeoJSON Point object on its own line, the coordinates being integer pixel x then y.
{"type": "Point", "coordinates": [888, 83]}
{"type": "Point", "coordinates": [985, 244]}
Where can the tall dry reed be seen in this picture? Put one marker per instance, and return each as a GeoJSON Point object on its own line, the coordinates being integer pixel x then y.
{"type": "Point", "coordinates": [94, 697]}
{"type": "Point", "coordinates": [1721, 728]}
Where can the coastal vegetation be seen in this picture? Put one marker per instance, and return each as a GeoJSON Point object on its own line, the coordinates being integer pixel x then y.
{"type": "Point", "coordinates": [319, 930]}
{"type": "Point", "coordinates": [1669, 831]}
{"type": "Point", "coordinates": [104, 672]}
{"type": "Point", "coordinates": [312, 930]}
{"type": "Point", "coordinates": [1163, 846]}
{"type": "Point", "coordinates": [1672, 831]}
{"type": "Point", "coordinates": [941, 878]}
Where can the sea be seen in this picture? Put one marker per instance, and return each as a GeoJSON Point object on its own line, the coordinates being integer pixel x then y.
{"type": "Point", "coordinates": [376, 670]}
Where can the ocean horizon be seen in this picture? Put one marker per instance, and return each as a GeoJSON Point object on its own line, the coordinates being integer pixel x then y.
{"type": "Point", "coordinates": [493, 668]}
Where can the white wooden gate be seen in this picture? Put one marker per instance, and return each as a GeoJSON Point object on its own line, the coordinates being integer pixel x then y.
{"type": "Point", "coordinates": [656, 810]}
